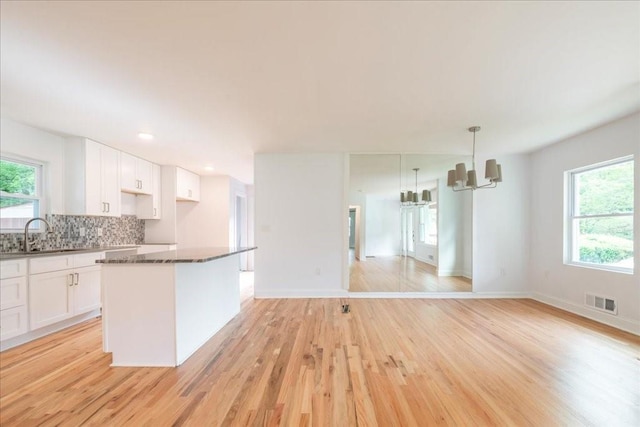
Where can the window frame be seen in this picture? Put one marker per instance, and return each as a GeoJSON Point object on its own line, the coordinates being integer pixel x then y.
{"type": "Point", "coordinates": [572, 220]}
{"type": "Point", "coordinates": [36, 226]}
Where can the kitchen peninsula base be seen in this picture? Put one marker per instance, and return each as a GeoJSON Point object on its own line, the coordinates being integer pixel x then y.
{"type": "Point", "coordinates": [158, 309]}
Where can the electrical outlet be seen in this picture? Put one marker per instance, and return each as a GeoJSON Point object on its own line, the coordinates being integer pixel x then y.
{"type": "Point", "coordinates": [83, 231]}
{"type": "Point", "coordinates": [318, 272]}
{"type": "Point", "coordinates": [99, 232]}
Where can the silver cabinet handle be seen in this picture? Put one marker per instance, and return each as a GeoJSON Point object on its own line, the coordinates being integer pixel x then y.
{"type": "Point", "coordinates": [77, 278]}
{"type": "Point", "coordinates": [104, 207]}
{"type": "Point", "coordinates": [108, 207]}
{"type": "Point", "coordinates": [70, 279]}
{"type": "Point", "coordinates": [189, 193]}
{"type": "Point", "coordinates": [155, 212]}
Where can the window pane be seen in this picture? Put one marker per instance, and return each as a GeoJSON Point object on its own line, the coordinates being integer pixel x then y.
{"type": "Point", "coordinates": [432, 233]}
{"type": "Point", "coordinates": [422, 224]}
{"type": "Point", "coordinates": [605, 241]}
{"type": "Point", "coordinates": [604, 190]}
{"type": "Point", "coordinates": [14, 213]}
{"type": "Point", "coordinates": [17, 178]}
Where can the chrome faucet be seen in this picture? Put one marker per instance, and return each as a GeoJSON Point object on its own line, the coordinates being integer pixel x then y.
{"type": "Point", "coordinates": [27, 244]}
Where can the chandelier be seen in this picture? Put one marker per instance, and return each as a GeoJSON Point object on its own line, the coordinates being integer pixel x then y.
{"type": "Point", "coordinates": [411, 197]}
{"type": "Point", "coordinates": [459, 179]}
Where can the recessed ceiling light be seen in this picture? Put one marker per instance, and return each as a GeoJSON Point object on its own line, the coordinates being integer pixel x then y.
{"type": "Point", "coordinates": [146, 136]}
{"type": "Point", "coordinates": [209, 168]}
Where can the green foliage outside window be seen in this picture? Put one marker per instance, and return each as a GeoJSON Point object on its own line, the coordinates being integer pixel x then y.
{"type": "Point", "coordinates": [16, 178]}
{"type": "Point", "coordinates": [605, 191]}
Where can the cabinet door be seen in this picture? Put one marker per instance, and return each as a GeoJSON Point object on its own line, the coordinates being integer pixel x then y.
{"type": "Point", "coordinates": [13, 292]}
{"type": "Point", "coordinates": [86, 289]}
{"type": "Point", "coordinates": [13, 322]}
{"type": "Point", "coordinates": [187, 185]}
{"type": "Point", "coordinates": [145, 176]}
{"type": "Point", "coordinates": [195, 187]}
{"type": "Point", "coordinates": [50, 298]}
{"type": "Point", "coordinates": [128, 179]}
{"type": "Point", "coordinates": [13, 268]}
{"type": "Point", "coordinates": [94, 203]}
{"type": "Point", "coordinates": [157, 191]}
{"type": "Point", "coordinates": [111, 180]}
{"type": "Point", "coordinates": [148, 206]}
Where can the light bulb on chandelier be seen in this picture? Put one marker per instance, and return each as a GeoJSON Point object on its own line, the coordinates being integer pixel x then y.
{"type": "Point", "coordinates": [459, 179]}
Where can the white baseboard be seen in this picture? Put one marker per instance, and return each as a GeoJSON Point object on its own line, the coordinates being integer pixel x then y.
{"type": "Point", "coordinates": [304, 293]}
{"type": "Point", "coordinates": [41, 332]}
{"type": "Point", "coordinates": [628, 325]}
{"type": "Point", "coordinates": [448, 273]}
{"type": "Point", "coordinates": [301, 293]}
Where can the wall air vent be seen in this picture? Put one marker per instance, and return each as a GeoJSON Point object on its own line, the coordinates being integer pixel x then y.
{"type": "Point", "coordinates": [608, 305]}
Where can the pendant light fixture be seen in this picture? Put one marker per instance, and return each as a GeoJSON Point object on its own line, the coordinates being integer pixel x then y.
{"type": "Point", "coordinates": [411, 197]}
{"type": "Point", "coordinates": [459, 179]}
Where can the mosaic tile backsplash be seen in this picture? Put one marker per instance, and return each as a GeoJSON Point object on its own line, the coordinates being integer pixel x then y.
{"type": "Point", "coordinates": [67, 230]}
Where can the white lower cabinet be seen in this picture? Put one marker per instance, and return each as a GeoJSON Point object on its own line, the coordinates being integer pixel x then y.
{"type": "Point", "coordinates": [13, 298]}
{"type": "Point", "coordinates": [13, 321]}
{"type": "Point", "coordinates": [58, 295]}
{"type": "Point", "coordinates": [49, 300]}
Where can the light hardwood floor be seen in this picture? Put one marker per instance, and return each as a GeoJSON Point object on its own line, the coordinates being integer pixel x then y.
{"type": "Point", "coordinates": [389, 362]}
{"type": "Point", "coordinates": [400, 274]}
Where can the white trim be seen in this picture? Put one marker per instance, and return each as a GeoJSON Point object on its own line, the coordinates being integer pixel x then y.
{"type": "Point", "coordinates": [625, 324]}
{"type": "Point", "coordinates": [304, 293]}
{"type": "Point", "coordinates": [440, 295]}
{"type": "Point", "coordinates": [570, 244]}
{"type": "Point", "coordinates": [39, 198]}
{"type": "Point", "coordinates": [301, 293]}
{"type": "Point", "coordinates": [47, 330]}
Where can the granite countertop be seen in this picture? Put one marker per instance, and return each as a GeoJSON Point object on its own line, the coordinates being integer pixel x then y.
{"type": "Point", "coordinates": [64, 251]}
{"type": "Point", "coordinates": [188, 255]}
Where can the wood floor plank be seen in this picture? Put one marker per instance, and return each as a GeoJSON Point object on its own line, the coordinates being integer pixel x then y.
{"type": "Point", "coordinates": [387, 362]}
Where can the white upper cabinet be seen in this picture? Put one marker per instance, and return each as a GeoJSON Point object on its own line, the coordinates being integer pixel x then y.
{"type": "Point", "coordinates": [148, 207]}
{"type": "Point", "coordinates": [187, 185]}
{"type": "Point", "coordinates": [136, 175]}
{"type": "Point", "coordinates": [92, 178]}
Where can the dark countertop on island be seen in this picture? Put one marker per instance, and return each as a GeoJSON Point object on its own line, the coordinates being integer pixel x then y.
{"type": "Point", "coordinates": [187, 255]}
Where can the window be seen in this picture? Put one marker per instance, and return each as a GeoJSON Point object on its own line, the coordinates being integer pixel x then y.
{"type": "Point", "coordinates": [432, 229]}
{"type": "Point", "coordinates": [20, 194]}
{"type": "Point", "coordinates": [600, 221]}
{"type": "Point", "coordinates": [422, 227]}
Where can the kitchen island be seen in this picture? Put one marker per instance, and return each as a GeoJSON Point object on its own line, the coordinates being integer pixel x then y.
{"type": "Point", "coordinates": [159, 308]}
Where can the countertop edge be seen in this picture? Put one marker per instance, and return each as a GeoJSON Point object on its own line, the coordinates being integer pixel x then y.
{"type": "Point", "coordinates": [140, 259]}
{"type": "Point", "coordinates": [79, 251]}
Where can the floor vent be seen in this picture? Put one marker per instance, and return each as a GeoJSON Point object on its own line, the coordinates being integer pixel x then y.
{"type": "Point", "coordinates": [601, 303]}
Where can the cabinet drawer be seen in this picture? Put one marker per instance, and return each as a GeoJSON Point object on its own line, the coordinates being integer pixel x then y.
{"type": "Point", "coordinates": [13, 322]}
{"type": "Point", "coordinates": [13, 268]}
{"type": "Point", "coordinates": [46, 264]}
{"type": "Point", "coordinates": [87, 260]}
{"type": "Point", "coordinates": [13, 292]}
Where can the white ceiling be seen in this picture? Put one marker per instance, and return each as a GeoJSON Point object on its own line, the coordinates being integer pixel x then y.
{"type": "Point", "coordinates": [216, 82]}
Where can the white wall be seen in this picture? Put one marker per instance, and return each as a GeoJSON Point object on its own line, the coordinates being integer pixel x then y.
{"type": "Point", "coordinates": [211, 221]}
{"type": "Point", "coordinates": [454, 209]}
{"type": "Point", "coordinates": [563, 285]}
{"type": "Point", "coordinates": [301, 216]}
{"type": "Point", "coordinates": [205, 223]}
{"type": "Point", "coordinates": [427, 253]}
{"type": "Point", "coordinates": [501, 233]}
{"type": "Point", "coordinates": [382, 227]}
{"type": "Point", "coordinates": [36, 144]}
